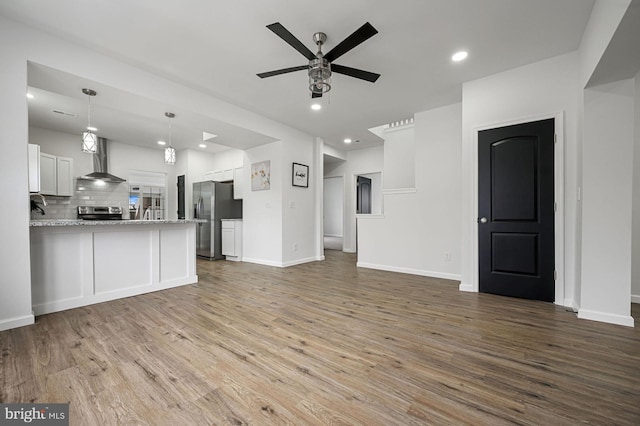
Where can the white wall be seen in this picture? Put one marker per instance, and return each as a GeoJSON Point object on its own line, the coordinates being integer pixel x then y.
{"type": "Point", "coordinates": [608, 145]}
{"type": "Point", "coordinates": [399, 148]}
{"type": "Point", "coordinates": [635, 250]}
{"type": "Point", "coordinates": [262, 210]}
{"type": "Point", "coordinates": [418, 228]}
{"type": "Point", "coordinates": [534, 91]}
{"type": "Point", "coordinates": [300, 209]}
{"type": "Point", "coordinates": [333, 206]}
{"type": "Point", "coordinates": [15, 275]}
{"type": "Point", "coordinates": [360, 161]}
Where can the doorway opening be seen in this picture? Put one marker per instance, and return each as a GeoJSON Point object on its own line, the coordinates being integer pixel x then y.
{"type": "Point", "coordinates": [333, 215]}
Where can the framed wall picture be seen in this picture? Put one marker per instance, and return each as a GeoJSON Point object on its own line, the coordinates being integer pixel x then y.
{"type": "Point", "coordinates": [300, 175]}
{"type": "Point", "coordinates": [261, 176]}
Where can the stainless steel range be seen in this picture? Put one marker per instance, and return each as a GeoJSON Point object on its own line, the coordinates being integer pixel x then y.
{"type": "Point", "coordinates": [99, 213]}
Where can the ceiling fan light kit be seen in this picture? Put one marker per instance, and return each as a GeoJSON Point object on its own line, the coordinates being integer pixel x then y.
{"type": "Point", "coordinates": [321, 67]}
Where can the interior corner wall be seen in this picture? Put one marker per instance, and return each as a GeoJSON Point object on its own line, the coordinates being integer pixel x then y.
{"type": "Point", "coordinates": [15, 266]}
{"type": "Point", "coordinates": [608, 148]}
{"type": "Point", "coordinates": [603, 22]}
{"type": "Point", "coordinates": [539, 89]}
{"type": "Point", "coordinates": [635, 247]}
{"type": "Point", "coordinates": [419, 232]}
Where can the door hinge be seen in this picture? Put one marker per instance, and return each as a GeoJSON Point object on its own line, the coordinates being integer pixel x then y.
{"type": "Point", "coordinates": [555, 206]}
{"type": "Point", "coordinates": [555, 138]}
{"type": "Point", "coordinates": [555, 275]}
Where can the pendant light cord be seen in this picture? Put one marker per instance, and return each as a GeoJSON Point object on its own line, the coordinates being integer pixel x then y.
{"type": "Point", "coordinates": [89, 114]}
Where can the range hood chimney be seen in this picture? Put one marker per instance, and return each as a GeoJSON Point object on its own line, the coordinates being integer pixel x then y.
{"type": "Point", "coordinates": [100, 168]}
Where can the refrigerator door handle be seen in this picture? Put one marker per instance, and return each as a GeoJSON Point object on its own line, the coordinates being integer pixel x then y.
{"type": "Point", "coordinates": [199, 208]}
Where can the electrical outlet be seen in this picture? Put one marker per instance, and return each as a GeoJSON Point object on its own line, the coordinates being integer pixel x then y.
{"type": "Point", "coordinates": [447, 256]}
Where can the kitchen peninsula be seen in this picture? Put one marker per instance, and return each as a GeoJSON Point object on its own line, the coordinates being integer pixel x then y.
{"type": "Point", "coordinates": [76, 263]}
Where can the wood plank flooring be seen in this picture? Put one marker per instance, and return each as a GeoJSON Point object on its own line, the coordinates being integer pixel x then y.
{"type": "Point", "coordinates": [324, 343]}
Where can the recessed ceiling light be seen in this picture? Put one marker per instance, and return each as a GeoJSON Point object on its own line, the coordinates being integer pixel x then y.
{"type": "Point", "coordinates": [202, 145]}
{"type": "Point", "coordinates": [92, 129]}
{"type": "Point", "coordinates": [30, 96]}
{"type": "Point", "coordinates": [347, 140]}
{"type": "Point", "coordinates": [162, 143]}
{"type": "Point", "coordinates": [459, 56]}
{"type": "Point", "coordinates": [316, 107]}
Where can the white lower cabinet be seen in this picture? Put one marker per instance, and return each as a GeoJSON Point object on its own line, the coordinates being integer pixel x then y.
{"type": "Point", "coordinates": [231, 235]}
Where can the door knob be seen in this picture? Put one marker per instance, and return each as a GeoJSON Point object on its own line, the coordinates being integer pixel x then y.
{"type": "Point", "coordinates": [483, 220]}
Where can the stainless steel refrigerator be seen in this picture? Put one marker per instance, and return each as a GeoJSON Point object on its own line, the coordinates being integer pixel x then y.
{"type": "Point", "coordinates": [213, 201]}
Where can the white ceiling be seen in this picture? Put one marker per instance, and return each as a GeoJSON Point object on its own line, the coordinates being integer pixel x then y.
{"type": "Point", "coordinates": [218, 47]}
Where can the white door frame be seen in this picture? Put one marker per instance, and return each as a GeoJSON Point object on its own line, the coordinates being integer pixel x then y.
{"type": "Point", "coordinates": [558, 168]}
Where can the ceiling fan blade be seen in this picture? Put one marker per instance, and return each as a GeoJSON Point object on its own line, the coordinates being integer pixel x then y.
{"type": "Point", "coordinates": [284, 34]}
{"type": "Point", "coordinates": [316, 95]}
{"type": "Point", "coordinates": [354, 72]}
{"type": "Point", "coordinates": [282, 71]}
{"type": "Point", "coordinates": [360, 35]}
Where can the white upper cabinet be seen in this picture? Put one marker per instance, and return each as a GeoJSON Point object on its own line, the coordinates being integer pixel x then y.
{"type": "Point", "coordinates": [64, 176]}
{"type": "Point", "coordinates": [219, 175]}
{"type": "Point", "coordinates": [56, 175]}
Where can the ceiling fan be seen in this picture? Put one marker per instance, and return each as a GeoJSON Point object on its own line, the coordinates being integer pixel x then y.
{"type": "Point", "coordinates": [321, 65]}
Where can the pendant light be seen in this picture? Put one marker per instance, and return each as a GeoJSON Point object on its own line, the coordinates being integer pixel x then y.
{"type": "Point", "coordinates": [170, 152]}
{"type": "Point", "coordinates": [89, 139]}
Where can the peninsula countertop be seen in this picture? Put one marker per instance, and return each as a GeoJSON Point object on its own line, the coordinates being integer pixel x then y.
{"type": "Point", "coordinates": [80, 222]}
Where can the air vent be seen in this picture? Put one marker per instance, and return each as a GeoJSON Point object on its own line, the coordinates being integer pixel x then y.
{"type": "Point", "coordinates": [68, 114]}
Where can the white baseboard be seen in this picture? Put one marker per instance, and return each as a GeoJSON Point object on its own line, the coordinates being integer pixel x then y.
{"type": "Point", "coordinates": [349, 250]}
{"type": "Point", "coordinates": [433, 274]}
{"type": "Point", "coordinates": [635, 298]}
{"type": "Point", "coordinates": [262, 262]}
{"type": "Point", "coordinates": [282, 264]}
{"type": "Point", "coordinates": [301, 261]}
{"type": "Point", "coordinates": [626, 320]}
{"type": "Point", "coordinates": [9, 323]}
{"type": "Point", "coordinates": [466, 287]}
{"type": "Point", "coordinates": [333, 236]}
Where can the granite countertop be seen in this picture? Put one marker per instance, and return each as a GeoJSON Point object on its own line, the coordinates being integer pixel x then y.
{"type": "Point", "coordinates": [80, 222]}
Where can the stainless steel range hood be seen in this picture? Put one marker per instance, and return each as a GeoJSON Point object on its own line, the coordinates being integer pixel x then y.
{"type": "Point", "coordinates": [100, 165]}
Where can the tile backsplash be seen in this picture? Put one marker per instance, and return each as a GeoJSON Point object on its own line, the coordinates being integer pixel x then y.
{"type": "Point", "coordinates": [86, 193]}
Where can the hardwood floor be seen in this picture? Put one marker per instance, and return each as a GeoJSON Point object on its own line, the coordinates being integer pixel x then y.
{"type": "Point", "coordinates": [324, 343]}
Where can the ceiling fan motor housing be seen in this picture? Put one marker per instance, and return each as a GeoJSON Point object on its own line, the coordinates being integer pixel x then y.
{"type": "Point", "coordinates": [319, 69]}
